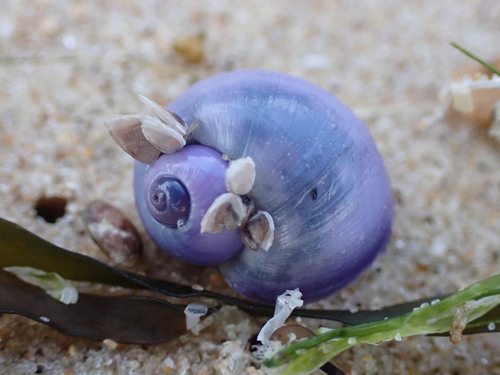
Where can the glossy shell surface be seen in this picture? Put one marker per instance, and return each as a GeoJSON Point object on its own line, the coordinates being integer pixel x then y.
{"type": "Point", "coordinates": [204, 181]}
{"type": "Point", "coordinates": [318, 174]}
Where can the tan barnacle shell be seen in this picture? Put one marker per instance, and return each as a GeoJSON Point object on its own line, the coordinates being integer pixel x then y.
{"type": "Point", "coordinates": [168, 118]}
{"type": "Point", "coordinates": [240, 176]}
{"type": "Point", "coordinates": [165, 130]}
{"type": "Point", "coordinates": [192, 128]}
{"type": "Point", "coordinates": [165, 138]}
{"type": "Point", "coordinates": [127, 132]}
{"type": "Point", "coordinates": [258, 231]}
{"type": "Point", "coordinates": [226, 213]}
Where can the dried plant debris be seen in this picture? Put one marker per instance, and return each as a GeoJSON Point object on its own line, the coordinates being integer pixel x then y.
{"type": "Point", "coordinates": [113, 232]}
{"type": "Point", "coordinates": [90, 316]}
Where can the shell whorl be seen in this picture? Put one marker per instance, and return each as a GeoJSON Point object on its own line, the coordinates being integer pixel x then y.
{"type": "Point", "coordinates": [318, 173]}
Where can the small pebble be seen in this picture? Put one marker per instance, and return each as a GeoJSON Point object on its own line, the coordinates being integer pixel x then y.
{"type": "Point", "coordinates": [291, 331]}
{"type": "Point", "coordinates": [190, 48]}
{"type": "Point", "coordinates": [113, 232]}
{"type": "Point", "coordinates": [110, 344]}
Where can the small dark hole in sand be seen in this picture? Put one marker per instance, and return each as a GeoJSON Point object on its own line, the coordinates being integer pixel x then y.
{"type": "Point", "coordinates": [50, 208]}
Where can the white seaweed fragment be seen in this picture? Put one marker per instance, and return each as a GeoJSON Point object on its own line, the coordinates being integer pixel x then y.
{"type": "Point", "coordinates": [194, 311]}
{"type": "Point", "coordinates": [285, 304]}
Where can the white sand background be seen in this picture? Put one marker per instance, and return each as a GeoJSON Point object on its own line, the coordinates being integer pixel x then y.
{"type": "Point", "coordinates": [68, 66]}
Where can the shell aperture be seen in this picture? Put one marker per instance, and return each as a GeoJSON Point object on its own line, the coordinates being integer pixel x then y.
{"type": "Point", "coordinates": [168, 201]}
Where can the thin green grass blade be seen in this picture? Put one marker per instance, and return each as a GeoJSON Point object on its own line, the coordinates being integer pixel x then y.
{"type": "Point", "coordinates": [476, 58]}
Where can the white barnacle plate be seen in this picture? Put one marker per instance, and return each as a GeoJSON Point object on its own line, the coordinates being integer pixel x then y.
{"type": "Point", "coordinates": [240, 176]}
{"type": "Point", "coordinates": [226, 213]}
{"type": "Point", "coordinates": [258, 232]}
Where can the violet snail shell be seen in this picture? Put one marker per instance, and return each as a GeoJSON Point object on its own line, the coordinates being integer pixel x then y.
{"type": "Point", "coordinates": [320, 186]}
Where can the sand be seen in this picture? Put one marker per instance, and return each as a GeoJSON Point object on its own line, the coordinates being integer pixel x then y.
{"type": "Point", "coordinates": [68, 67]}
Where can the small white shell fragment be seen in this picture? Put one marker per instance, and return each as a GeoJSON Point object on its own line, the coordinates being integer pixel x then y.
{"type": "Point", "coordinates": [69, 295]}
{"type": "Point", "coordinates": [111, 344]}
{"type": "Point", "coordinates": [127, 132]}
{"type": "Point", "coordinates": [240, 176]}
{"type": "Point", "coordinates": [462, 97]}
{"type": "Point", "coordinates": [285, 304]}
{"type": "Point", "coordinates": [258, 232]}
{"type": "Point", "coordinates": [168, 118]}
{"type": "Point", "coordinates": [226, 213]}
{"type": "Point", "coordinates": [194, 311]}
{"type": "Point", "coordinates": [163, 137]}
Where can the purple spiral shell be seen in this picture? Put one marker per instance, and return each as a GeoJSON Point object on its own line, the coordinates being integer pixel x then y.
{"type": "Point", "coordinates": [318, 173]}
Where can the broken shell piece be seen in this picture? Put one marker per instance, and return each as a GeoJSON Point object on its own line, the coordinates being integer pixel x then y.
{"type": "Point", "coordinates": [169, 118]}
{"type": "Point", "coordinates": [226, 213]}
{"type": "Point", "coordinates": [127, 132]}
{"type": "Point", "coordinates": [194, 311]}
{"type": "Point", "coordinates": [461, 97]}
{"type": "Point", "coordinates": [166, 139]}
{"type": "Point", "coordinates": [258, 232]}
{"type": "Point", "coordinates": [240, 176]}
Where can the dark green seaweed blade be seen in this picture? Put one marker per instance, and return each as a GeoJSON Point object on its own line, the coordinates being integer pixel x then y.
{"type": "Point", "coordinates": [131, 320]}
{"type": "Point", "coordinates": [19, 247]}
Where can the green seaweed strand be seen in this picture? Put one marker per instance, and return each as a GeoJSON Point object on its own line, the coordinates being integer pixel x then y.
{"type": "Point", "coordinates": [474, 57]}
